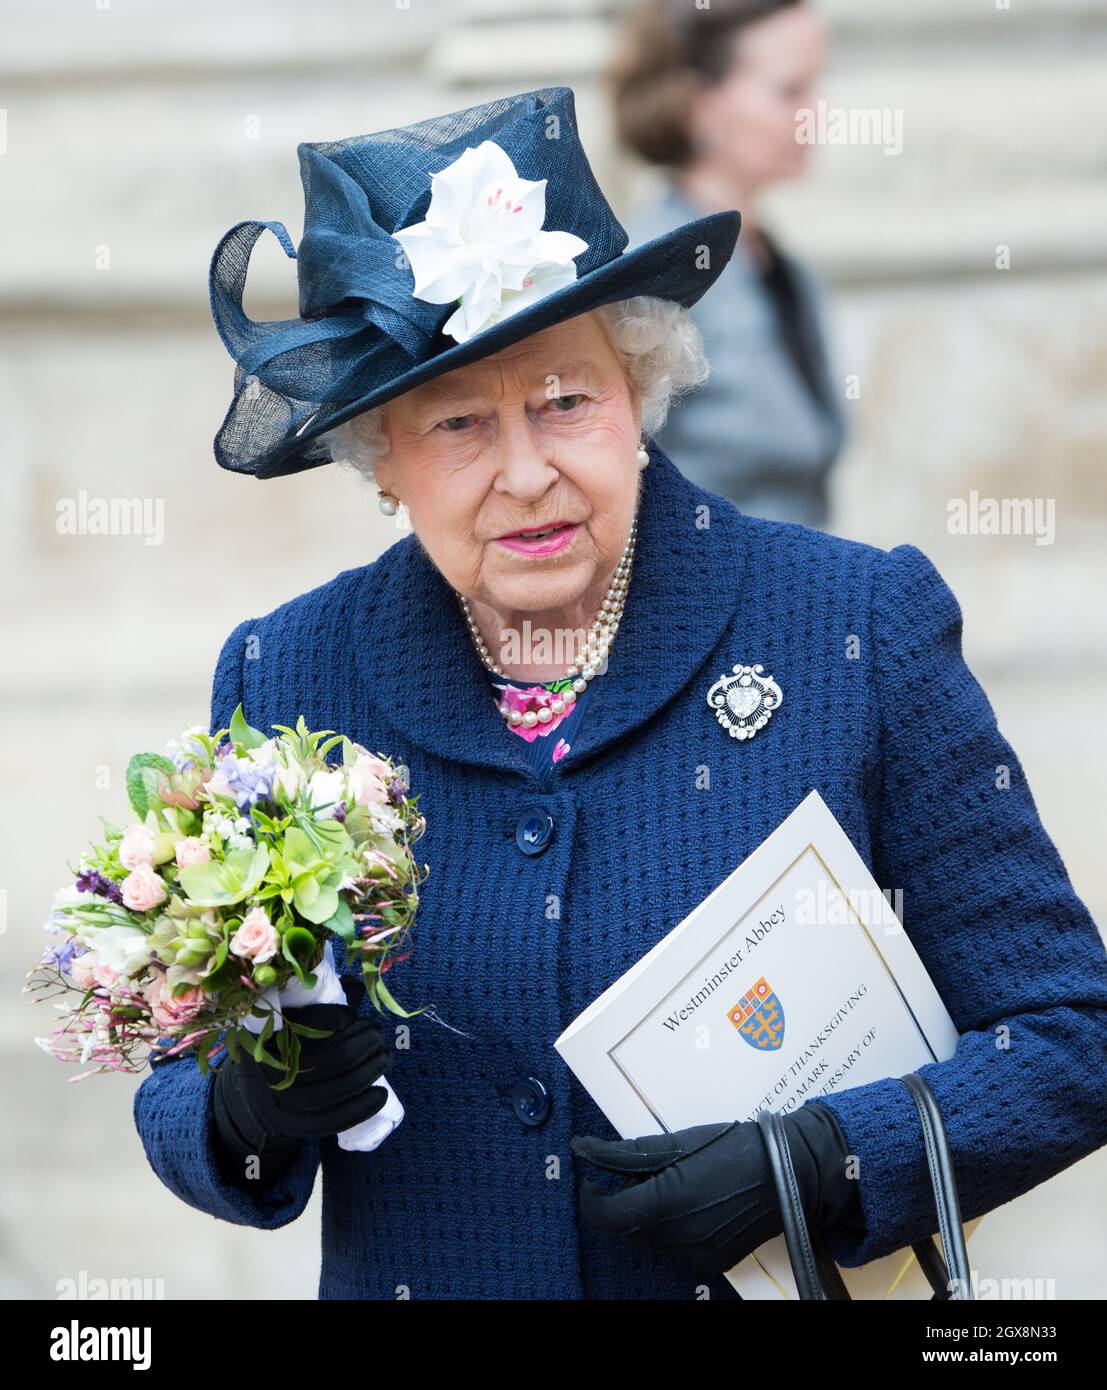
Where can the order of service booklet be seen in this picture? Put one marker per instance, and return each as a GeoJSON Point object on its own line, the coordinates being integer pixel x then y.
{"type": "Point", "coordinates": [794, 979]}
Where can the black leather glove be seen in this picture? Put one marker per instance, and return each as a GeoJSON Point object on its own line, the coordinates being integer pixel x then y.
{"type": "Point", "coordinates": [333, 1090]}
{"type": "Point", "coordinates": [706, 1194]}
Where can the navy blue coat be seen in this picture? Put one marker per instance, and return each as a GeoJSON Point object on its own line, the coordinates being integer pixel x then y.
{"type": "Point", "coordinates": [880, 714]}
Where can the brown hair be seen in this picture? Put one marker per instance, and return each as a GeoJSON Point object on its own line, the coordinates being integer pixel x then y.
{"type": "Point", "coordinates": [669, 48]}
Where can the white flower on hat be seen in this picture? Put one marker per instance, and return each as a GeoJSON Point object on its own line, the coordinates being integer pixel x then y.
{"type": "Point", "coordinates": [482, 243]}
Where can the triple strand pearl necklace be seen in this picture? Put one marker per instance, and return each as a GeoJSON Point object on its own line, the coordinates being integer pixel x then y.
{"type": "Point", "coordinates": [593, 654]}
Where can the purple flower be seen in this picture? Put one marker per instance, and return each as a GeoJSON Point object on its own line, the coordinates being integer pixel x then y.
{"type": "Point", "coordinates": [62, 954]}
{"type": "Point", "coordinates": [339, 812]}
{"type": "Point", "coordinates": [397, 789]}
{"type": "Point", "coordinates": [250, 781]}
{"type": "Point", "coordinates": [92, 881]}
{"type": "Point", "coordinates": [183, 755]}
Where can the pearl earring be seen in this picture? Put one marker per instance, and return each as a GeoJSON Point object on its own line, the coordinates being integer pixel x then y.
{"type": "Point", "coordinates": [388, 504]}
{"type": "Point", "coordinates": [643, 455]}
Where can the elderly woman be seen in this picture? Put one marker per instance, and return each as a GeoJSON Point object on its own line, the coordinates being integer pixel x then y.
{"type": "Point", "coordinates": [539, 652]}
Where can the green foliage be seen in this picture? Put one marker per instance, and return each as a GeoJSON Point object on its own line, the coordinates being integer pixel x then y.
{"type": "Point", "coordinates": [221, 971]}
{"type": "Point", "coordinates": [342, 922]}
{"type": "Point", "coordinates": [298, 948]}
{"type": "Point", "coordinates": [215, 884]}
{"type": "Point", "coordinates": [381, 997]}
{"type": "Point", "coordinates": [146, 772]}
{"type": "Point", "coordinates": [242, 733]}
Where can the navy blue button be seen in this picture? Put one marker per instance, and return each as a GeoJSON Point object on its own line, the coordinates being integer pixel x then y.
{"type": "Point", "coordinates": [531, 1102]}
{"type": "Point", "coordinates": [534, 830]}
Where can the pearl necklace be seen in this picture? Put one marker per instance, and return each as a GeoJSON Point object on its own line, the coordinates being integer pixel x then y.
{"type": "Point", "coordinates": [597, 644]}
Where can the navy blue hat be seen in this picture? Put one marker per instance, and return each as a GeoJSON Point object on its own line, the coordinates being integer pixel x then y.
{"type": "Point", "coordinates": [497, 241]}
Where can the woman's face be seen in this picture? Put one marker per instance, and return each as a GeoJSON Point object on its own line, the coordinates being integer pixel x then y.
{"type": "Point", "coordinates": [542, 434]}
{"type": "Point", "coordinates": [747, 122]}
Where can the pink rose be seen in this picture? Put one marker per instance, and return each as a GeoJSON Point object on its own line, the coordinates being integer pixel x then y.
{"type": "Point", "coordinates": [168, 1012]}
{"type": "Point", "coordinates": [136, 847]}
{"type": "Point", "coordinates": [256, 939]}
{"type": "Point", "coordinates": [143, 889]}
{"type": "Point", "coordinates": [82, 968]}
{"type": "Point", "coordinates": [104, 975]}
{"type": "Point", "coordinates": [368, 780]}
{"type": "Point", "coordinates": [191, 851]}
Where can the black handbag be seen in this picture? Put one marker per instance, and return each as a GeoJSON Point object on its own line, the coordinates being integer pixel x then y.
{"type": "Point", "coordinates": [816, 1274]}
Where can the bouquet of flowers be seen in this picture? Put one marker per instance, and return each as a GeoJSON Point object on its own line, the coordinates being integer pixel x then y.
{"type": "Point", "coordinates": [194, 924]}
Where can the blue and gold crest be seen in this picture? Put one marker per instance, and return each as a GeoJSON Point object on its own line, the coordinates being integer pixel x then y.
{"type": "Point", "coordinates": [759, 1017]}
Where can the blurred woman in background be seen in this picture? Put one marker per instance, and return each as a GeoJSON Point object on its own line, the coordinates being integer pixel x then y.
{"type": "Point", "coordinates": [710, 95]}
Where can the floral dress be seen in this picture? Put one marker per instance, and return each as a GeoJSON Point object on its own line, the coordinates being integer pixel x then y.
{"type": "Point", "coordinates": [544, 743]}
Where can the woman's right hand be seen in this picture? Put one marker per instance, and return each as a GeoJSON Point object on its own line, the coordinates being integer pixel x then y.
{"type": "Point", "coordinates": [261, 1130]}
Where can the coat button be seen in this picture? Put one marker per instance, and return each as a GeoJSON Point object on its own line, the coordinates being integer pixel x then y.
{"type": "Point", "coordinates": [531, 1102]}
{"type": "Point", "coordinates": [534, 830]}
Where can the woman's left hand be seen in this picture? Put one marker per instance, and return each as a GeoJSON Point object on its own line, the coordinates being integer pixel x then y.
{"type": "Point", "coordinates": [706, 1194]}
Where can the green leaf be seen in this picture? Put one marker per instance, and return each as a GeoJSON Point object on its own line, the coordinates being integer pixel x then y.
{"type": "Point", "coordinates": [341, 922]}
{"type": "Point", "coordinates": [316, 902]}
{"type": "Point", "coordinates": [333, 835]}
{"type": "Point", "coordinates": [299, 849]}
{"type": "Point", "coordinates": [385, 995]}
{"type": "Point", "coordinates": [255, 1046]}
{"type": "Point", "coordinates": [242, 733]}
{"type": "Point", "coordinates": [263, 1055]}
{"type": "Point", "coordinates": [309, 1032]}
{"type": "Point", "coordinates": [307, 890]}
{"type": "Point", "coordinates": [221, 970]}
{"type": "Point", "coordinates": [144, 776]}
{"type": "Point", "coordinates": [298, 947]}
{"type": "Point", "coordinates": [290, 1055]}
{"type": "Point", "coordinates": [221, 885]}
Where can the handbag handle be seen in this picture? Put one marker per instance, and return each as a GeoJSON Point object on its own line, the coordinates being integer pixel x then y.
{"type": "Point", "coordinates": [817, 1276]}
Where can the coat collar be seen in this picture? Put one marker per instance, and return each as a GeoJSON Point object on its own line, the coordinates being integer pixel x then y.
{"type": "Point", "coordinates": [427, 680]}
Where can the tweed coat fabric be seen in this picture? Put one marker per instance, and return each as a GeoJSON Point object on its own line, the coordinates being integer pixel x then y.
{"type": "Point", "coordinates": [654, 808]}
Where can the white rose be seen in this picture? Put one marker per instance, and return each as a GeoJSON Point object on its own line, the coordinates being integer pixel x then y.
{"type": "Point", "coordinates": [290, 780]}
{"type": "Point", "coordinates": [325, 790]}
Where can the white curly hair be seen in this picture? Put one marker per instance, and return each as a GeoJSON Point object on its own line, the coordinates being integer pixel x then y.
{"type": "Point", "coordinates": [658, 344]}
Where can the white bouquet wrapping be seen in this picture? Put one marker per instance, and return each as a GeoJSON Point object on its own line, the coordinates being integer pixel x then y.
{"type": "Point", "coordinates": [368, 1135]}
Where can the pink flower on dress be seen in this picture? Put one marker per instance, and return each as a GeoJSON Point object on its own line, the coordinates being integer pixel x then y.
{"type": "Point", "coordinates": [559, 751]}
{"type": "Point", "coordinates": [534, 697]}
